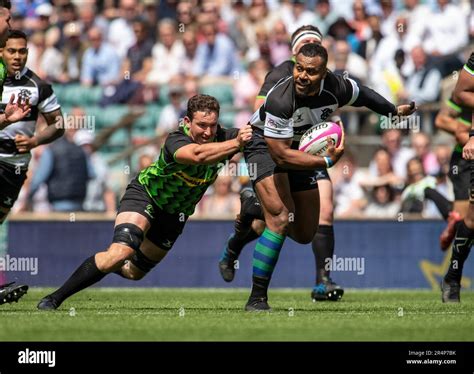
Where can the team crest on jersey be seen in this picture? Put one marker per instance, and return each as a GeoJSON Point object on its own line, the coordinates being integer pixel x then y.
{"type": "Point", "coordinates": [24, 94]}
{"type": "Point", "coordinates": [325, 113]}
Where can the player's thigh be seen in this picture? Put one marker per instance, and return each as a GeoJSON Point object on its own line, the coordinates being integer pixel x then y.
{"type": "Point", "coordinates": [326, 213]}
{"type": "Point", "coordinates": [141, 263]}
{"type": "Point", "coordinates": [152, 251]}
{"type": "Point", "coordinates": [136, 207]}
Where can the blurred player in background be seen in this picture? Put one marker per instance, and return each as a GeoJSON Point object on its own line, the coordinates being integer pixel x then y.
{"type": "Point", "coordinates": [451, 283]}
{"type": "Point", "coordinates": [157, 204]}
{"type": "Point", "coordinates": [19, 138]}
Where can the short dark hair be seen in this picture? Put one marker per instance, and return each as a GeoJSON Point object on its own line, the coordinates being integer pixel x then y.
{"type": "Point", "coordinates": [202, 103]}
{"type": "Point", "coordinates": [17, 34]}
{"type": "Point", "coordinates": [5, 4]}
{"type": "Point", "coordinates": [142, 21]}
{"type": "Point", "coordinates": [313, 50]}
{"type": "Point", "coordinates": [305, 28]}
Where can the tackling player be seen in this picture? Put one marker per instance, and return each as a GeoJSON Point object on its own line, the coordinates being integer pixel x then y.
{"type": "Point", "coordinates": [157, 204]}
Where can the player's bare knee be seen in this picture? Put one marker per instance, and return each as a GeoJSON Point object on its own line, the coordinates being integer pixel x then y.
{"type": "Point", "coordinates": [258, 226]}
{"type": "Point", "coordinates": [114, 258]}
{"type": "Point", "coordinates": [279, 221]}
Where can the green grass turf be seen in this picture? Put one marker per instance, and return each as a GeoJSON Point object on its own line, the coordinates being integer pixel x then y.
{"type": "Point", "coordinates": [218, 315]}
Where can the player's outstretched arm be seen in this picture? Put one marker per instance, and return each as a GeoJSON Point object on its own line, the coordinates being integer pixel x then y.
{"type": "Point", "coordinates": [377, 103]}
{"type": "Point", "coordinates": [211, 153]}
{"type": "Point", "coordinates": [51, 132]}
{"type": "Point", "coordinates": [286, 157]}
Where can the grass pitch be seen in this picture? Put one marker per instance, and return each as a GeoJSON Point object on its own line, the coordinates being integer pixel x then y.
{"type": "Point", "coordinates": [218, 315]}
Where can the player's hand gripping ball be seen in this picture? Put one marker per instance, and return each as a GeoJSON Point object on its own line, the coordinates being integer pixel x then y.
{"type": "Point", "coordinates": [315, 140]}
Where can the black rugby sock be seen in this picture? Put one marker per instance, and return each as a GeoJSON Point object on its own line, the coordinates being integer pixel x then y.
{"type": "Point", "coordinates": [323, 248]}
{"type": "Point", "coordinates": [461, 247]}
{"type": "Point", "coordinates": [85, 275]}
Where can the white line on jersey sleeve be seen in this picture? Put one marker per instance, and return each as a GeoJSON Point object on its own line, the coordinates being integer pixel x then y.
{"type": "Point", "coordinates": [49, 104]}
{"type": "Point", "coordinates": [355, 91]}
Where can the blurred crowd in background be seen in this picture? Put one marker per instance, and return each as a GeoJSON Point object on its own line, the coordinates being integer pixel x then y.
{"type": "Point", "coordinates": [156, 54]}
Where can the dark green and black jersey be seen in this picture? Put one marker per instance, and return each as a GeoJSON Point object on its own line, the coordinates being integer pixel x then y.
{"type": "Point", "coordinates": [177, 188]}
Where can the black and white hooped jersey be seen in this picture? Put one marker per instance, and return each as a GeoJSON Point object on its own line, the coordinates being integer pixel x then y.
{"type": "Point", "coordinates": [42, 100]}
{"type": "Point", "coordinates": [285, 115]}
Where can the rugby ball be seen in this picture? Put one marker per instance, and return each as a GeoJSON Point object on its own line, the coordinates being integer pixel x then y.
{"type": "Point", "coordinates": [314, 141]}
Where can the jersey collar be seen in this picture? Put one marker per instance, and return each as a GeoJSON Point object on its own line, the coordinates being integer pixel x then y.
{"type": "Point", "coordinates": [322, 87]}
{"type": "Point", "coordinates": [22, 73]}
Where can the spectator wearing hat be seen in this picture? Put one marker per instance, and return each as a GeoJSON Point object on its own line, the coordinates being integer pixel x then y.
{"type": "Point", "coordinates": [342, 30]}
{"type": "Point", "coordinates": [43, 13]}
{"type": "Point", "coordinates": [72, 54]}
